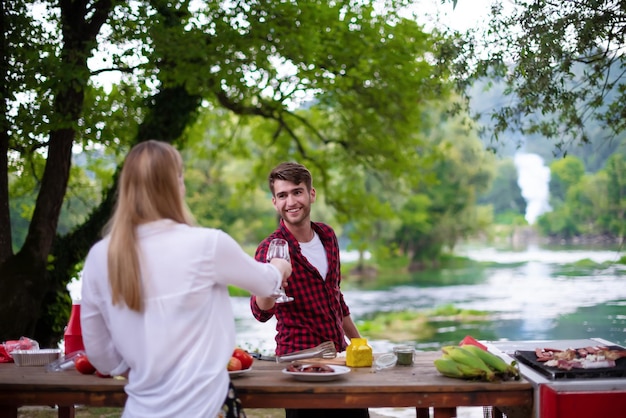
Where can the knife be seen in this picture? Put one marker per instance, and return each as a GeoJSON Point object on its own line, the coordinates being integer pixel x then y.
{"type": "Point", "coordinates": [260, 356]}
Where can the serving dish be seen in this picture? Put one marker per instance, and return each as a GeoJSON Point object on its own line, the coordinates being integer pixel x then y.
{"type": "Point", "coordinates": [338, 371]}
{"type": "Point", "coordinates": [238, 373]}
{"type": "Point", "coordinates": [40, 357]}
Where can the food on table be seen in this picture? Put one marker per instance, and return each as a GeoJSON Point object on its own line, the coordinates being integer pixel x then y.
{"type": "Point", "coordinates": [474, 363]}
{"type": "Point", "coordinates": [83, 365]}
{"type": "Point", "coordinates": [243, 356]}
{"type": "Point", "coordinates": [309, 368]}
{"type": "Point", "coordinates": [404, 355]}
{"type": "Point", "coordinates": [234, 364]}
{"type": "Point", "coordinates": [579, 358]}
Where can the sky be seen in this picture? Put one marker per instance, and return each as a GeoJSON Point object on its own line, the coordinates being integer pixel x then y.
{"type": "Point", "coordinates": [466, 15]}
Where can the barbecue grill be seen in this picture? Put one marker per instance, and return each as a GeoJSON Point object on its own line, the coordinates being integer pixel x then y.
{"type": "Point", "coordinates": [576, 393]}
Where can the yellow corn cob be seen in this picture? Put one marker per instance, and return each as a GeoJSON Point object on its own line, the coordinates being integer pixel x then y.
{"type": "Point", "coordinates": [460, 355]}
{"type": "Point", "coordinates": [494, 362]}
{"type": "Point", "coordinates": [491, 360]}
{"type": "Point", "coordinates": [448, 367]}
{"type": "Point", "coordinates": [470, 372]}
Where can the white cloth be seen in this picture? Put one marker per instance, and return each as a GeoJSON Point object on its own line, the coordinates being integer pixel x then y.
{"type": "Point", "coordinates": [316, 254]}
{"type": "Point", "coordinates": [178, 348]}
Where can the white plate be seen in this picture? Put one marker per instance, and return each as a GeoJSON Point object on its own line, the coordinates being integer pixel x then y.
{"type": "Point", "coordinates": [238, 373]}
{"type": "Point", "coordinates": [338, 371]}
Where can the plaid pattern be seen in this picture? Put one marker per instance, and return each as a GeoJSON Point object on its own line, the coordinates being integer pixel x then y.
{"type": "Point", "coordinates": [317, 312]}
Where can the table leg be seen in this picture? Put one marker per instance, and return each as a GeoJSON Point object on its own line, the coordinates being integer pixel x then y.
{"type": "Point", "coordinates": [445, 413]}
{"type": "Point", "coordinates": [8, 411]}
{"type": "Point", "coordinates": [422, 412]}
{"type": "Point", "coordinates": [67, 411]}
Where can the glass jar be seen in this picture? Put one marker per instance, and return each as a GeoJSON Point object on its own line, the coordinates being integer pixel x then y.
{"type": "Point", "coordinates": [404, 353]}
{"type": "Point", "coordinates": [359, 353]}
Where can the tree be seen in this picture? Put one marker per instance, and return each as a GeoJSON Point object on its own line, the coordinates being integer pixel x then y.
{"type": "Point", "coordinates": [504, 193]}
{"type": "Point", "coordinates": [562, 64]}
{"type": "Point", "coordinates": [440, 213]}
{"type": "Point", "coordinates": [367, 73]}
{"type": "Point", "coordinates": [616, 192]}
{"type": "Point", "coordinates": [564, 173]}
{"type": "Point", "coordinates": [593, 206]}
{"type": "Point", "coordinates": [62, 96]}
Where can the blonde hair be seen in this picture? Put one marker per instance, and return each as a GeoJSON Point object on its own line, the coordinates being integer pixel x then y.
{"type": "Point", "coordinates": [150, 188]}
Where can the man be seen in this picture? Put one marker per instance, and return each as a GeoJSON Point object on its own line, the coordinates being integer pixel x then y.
{"type": "Point", "coordinates": [318, 312]}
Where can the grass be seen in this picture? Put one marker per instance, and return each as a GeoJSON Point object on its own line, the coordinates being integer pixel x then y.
{"type": "Point", "coordinates": [95, 412]}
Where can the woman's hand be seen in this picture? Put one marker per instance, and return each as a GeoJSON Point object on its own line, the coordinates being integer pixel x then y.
{"type": "Point", "coordinates": [284, 267]}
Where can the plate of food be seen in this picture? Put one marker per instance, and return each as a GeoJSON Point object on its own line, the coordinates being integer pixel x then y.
{"type": "Point", "coordinates": [315, 372]}
{"type": "Point", "coordinates": [238, 373]}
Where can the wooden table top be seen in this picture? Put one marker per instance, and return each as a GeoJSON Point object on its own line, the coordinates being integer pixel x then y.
{"type": "Point", "coordinates": [265, 386]}
{"type": "Point", "coordinates": [420, 385]}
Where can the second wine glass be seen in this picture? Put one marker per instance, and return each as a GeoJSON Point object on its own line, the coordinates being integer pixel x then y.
{"type": "Point", "coordinates": [279, 249]}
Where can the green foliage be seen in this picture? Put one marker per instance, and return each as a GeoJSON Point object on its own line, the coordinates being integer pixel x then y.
{"type": "Point", "coordinates": [235, 291]}
{"type": "Point", "coordinates": [510, 218]}
{"type": "Point", "coordinates": [564, 173]}
{"type": "Point", "coordinates": [349, 89]}
{"type": "Point", "coordinates": [504, 194]}
{"type": "Point", "coordinates": [437, 214]}
{"type": "Point", "coordinates": [402, 326]}
{"type": "Point", "coordinates": [561, 66]}
{"type": "Point", "coordinates": [593, 204]}
{"type": "Point", "coordinates": [558, 222]}
{"type": "Point", "coordinates": [616, 192]}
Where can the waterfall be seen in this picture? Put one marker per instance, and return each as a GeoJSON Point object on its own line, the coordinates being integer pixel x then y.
{"type": "Point", "coordinates": [533, 178]}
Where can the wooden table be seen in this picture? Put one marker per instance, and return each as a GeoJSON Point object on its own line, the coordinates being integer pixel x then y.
{"type": "Point", "coordinates": [265, 386]}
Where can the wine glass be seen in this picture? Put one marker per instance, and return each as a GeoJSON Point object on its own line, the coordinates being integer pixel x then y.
{"type": "Point", "coordinates": [279, 249]}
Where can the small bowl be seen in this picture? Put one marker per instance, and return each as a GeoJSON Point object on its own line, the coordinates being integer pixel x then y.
{"type": "Point", "coordinates": [385, 361]}
{"type": "Point", "coordinates": [35, 357]}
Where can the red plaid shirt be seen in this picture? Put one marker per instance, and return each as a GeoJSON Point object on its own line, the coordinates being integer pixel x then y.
{"type": "Point", "coordinates": [317, 311]}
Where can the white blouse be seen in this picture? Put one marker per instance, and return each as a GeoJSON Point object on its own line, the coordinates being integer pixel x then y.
{"type": "Point", "coordinates": [178, 348]}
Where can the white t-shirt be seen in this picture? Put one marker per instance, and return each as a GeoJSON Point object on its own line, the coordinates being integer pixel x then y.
{"type": "Point", "coordinates": [178, 348]}
{"type": "Point", "coordinates": [316, 254]}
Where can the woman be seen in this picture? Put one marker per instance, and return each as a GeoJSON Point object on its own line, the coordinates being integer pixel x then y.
{"type": "Point", "coordinates": [155, 304]}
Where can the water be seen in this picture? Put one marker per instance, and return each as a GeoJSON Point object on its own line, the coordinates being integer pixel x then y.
{"type": "Point", "coordinates": [535, 294]}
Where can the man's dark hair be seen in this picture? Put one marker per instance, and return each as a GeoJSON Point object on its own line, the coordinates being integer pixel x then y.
{"type": "Point", "coordinates": [292, 172]}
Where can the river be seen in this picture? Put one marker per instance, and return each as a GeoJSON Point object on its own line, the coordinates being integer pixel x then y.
{"type": "Point", "coordinates": [534, 294]}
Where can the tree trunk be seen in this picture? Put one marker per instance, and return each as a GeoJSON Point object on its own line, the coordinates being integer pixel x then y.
{"type": "Point", "coordinates": [6, 249]}
{"type": "Point", "coordinates": [170, 111]}
{"type": "Point", "coordinates": [23, 278]}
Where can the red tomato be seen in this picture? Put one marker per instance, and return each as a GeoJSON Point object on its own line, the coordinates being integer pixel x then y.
{"type": "Point", "coordinates": [244, 357]}
{"type": "Point", "coordinates": [83, 365]}
{"type": "Point", "coordinates": [102, 375]}
{"type": "Point", "coordinates": [233, 364]}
